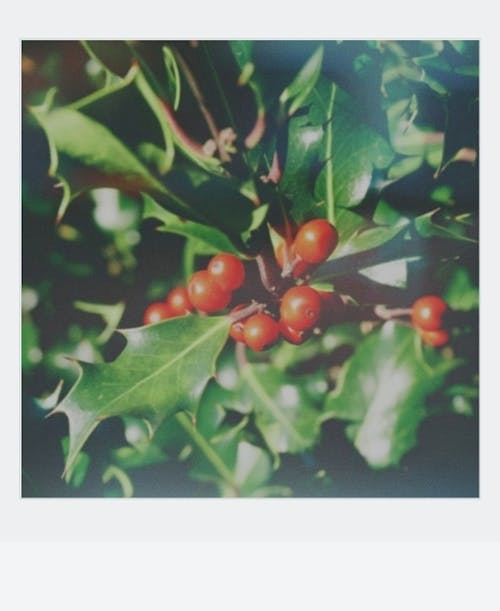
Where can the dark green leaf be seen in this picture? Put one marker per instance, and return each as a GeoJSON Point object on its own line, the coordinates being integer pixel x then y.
{"type": "Point", "coordinates": [333, 138]}
{"type": "Point", "coordinates": [164, 368]}
{"type": "Point", "coordinates": [438, 224]}
{"type": "Point", "coordinates": [211, 238]}
{"type": "Point", "coordinates": [383, 390]}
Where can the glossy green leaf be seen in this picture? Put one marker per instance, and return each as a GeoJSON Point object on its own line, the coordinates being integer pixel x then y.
{"type": "Point", "coordinates": [163, 368]}
{"type": "Point", "coordinates": [331, 155]}
{"type": "Point", "coordinates": [382, 392]}
{"type": "Point", "coordinates": [283, 411]}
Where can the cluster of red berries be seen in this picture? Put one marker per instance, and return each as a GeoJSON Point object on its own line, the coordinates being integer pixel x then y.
{"type": "Point", "coordinates": [427, 315]}
{"type": "Point", "coordinates": [300, 307]}
{"type": "Point", "coordinates": [208, 290]}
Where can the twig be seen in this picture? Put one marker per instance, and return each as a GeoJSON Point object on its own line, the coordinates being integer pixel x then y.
{"type": "Point", "coordinates": [210, 121]}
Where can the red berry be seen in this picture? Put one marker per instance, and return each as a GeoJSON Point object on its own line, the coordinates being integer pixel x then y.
{"type": "Point", "coordinates": [299, 269]}
{"type": "Point", "coordinates": [300, 307]}
{"type": "Point", "coordinates": [435, 338]}
{"type": "Point", "coordinates": [157, 311]}
{"type": "Point", "coordinates": [291, 335]}
{"type": "Point", "coordinates": [316, 240]}
{"type": "Point", "coordinates": [236, 330]}
{"type": "Point", "coordinates": [178, 301]}
{"type": "Point", "coordinates": [260, 331]}
{"type": "Point", "coordinates": [427, 312]}
{"type": "Point", "coordinates": [227, 270]}
{"type": "Point", "coordinates": [206, 294]}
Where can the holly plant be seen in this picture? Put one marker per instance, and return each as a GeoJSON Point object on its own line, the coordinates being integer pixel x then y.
{"type": "Point", "coordinates": [250, 268]}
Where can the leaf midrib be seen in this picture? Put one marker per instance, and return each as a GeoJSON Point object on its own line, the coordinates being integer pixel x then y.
{"type": "Point", "coordinates": [166, 365]}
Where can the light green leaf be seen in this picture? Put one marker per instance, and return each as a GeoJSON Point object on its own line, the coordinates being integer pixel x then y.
{"type": "Point", "coordinates": [163, 369]}
{"type": "Point", "coordinates": [383, 389]}
{"type": "Point", "coordinates": [111, 315]}
{"type": "Point", "coordinates": [302, 85]}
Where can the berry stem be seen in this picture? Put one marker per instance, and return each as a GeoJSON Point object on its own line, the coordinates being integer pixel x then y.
{"type": "Point", "coordinates": [197, 93]}
{"type": "Point", "coordinates": [251, 309]}
{"type": "Point", "coordinates": [386, 313]}
{"type": "Point", "coordinates": [240, 353]}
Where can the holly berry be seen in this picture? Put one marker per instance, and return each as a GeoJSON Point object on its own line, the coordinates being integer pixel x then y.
{"type": "Point", "coordinates": [157, 311]}
{"type": "Point", "coordinates": [227, 270]}
{"type": "Point", "coordinates": [291, 335]}
{"type": "Point", "coordinates": [260, 331]}
{"type": "Point", "coordinates": [435, 338]}
{"type": "Point", "coordinates": [206, 294]}
{"type": "Point", "coordinates": [178, 301]}
{"type": "Point", "coordinates": [316, 240]}
{"type": "Point", "coordinates": [300, 267]}
{"type": "Point", "coordinates": [236, 330]}
{"type": "Point", "coordinates": [427, 312]}
{"type": "Point", "coordinates": [300, 307]}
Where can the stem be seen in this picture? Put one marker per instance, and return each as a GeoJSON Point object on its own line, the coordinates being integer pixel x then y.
{"type": "Point", "coordinates": [388, 313]}
{"type": "Point", "coordinates": [210, 454]}
{"type": "Point", "coordinates": [253, 308]}
{"type": "Point", "coordinates": [241, 355]}
{"type": "Point", "coordinates": [330, 197]}
{"type": "Point", "coordinates": [210, 121]}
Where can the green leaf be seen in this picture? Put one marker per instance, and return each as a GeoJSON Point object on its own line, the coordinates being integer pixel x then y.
{"type": "Point", "coordinates": [383, 389]}
{"type": "Point", "coordinates": [211, 238]}
{"type": "Point", "coordinates": [114, 55]}
{"type": "Point", "coordinates": [437, 223]}
{"type": "Point", "coordinates": [114, 472]}
{"type": "Point", "coordinates": [111, 315]}
{"type": "Point", "coordinates": [163, 368]}
{"type": "Point", "coordinates": [283, 411]}
{"type": "Point", "coordinates": [297, 92]}
{"type": "Point", "coordinates": [85, 154]}
{"type": "Point", "coordinates": [392, 273]}
{"type": "Point", "coordinates": [76, 475]}
{"type": "Point", "coordinates": [221, 454]}
{"type": "Point", "coordinates": [459, 291]}
{"type": "Point", "coordinates": [332, 137]}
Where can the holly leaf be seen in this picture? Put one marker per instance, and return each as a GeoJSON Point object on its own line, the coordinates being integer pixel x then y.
{"type": "Point", "coordinates": [382, 392]}
{"type": "Point", "coordinates": [163, 368]}
{"type": "Point", "coordinates": [331, 154]}
{"type": "Point", "coordinates": [283, 412]}
{"type": "Point", "coordinates": [212, 238]}
{"type": "Point", "coordinates": [439, 223]}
